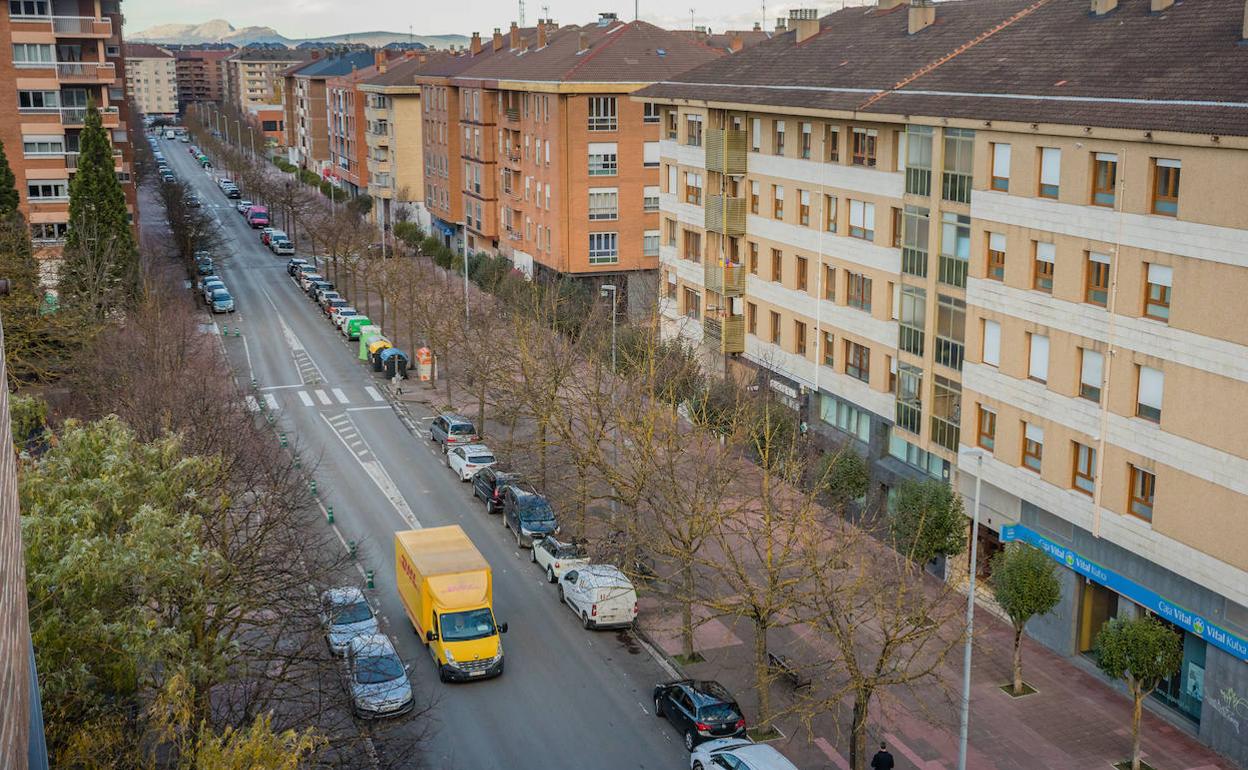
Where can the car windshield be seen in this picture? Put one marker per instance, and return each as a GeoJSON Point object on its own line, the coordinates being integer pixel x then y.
{"type": "Point", "coordinates": [535, 508]}
{"type": "Point", "coordinates": [462, 429]}
{"type": "Point", "coordinates": [465, 626]}
{"type": "Point", "coordinates": [221, 296]}
{"type": "Point", "coordinates": [375, 669]}
{"type": "Point", "coordinates": [569, 551]}
{"type": "Point", "coordinates": [481, 459]}
{"type": "Point", "coordinates": [352, 613]}
{"type": "Point", "coordinates": [719, 712]}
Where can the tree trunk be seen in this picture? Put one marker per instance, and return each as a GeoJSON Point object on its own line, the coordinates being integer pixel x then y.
{"type": "Point", "coordinates": [1018, 660]}
{"type": "Point", "coordinates": [858, 731]}
{"type": "Point", "coordinates": [686, 607]}
{"type": "Point", "coordinates": [582, 499]}
{"type": "Point", "coordinates": [481, 407]}
{"type": "Point", "coordinates": [541, 451]}
{"type": "Point", "coordinates": [1138, 698]}
{"type": "Point", "coordinates": [762, 674]}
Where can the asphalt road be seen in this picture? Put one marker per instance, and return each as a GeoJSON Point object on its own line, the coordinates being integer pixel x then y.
{"type": "Point", "coordinates": [569, 698]}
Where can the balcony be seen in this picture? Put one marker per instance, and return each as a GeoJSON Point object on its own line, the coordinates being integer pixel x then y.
{"type": "Point", "coordinates": [956, 187]}
{"type": "Point", "coordinates": [914, 261]}
{"type": "Point", "coordinates": [86, 72]}
{"type": "Point", "coordinates": [379, 190]}
{"type": "Point", "coordinates": [725, 280]}
{"type": "Point", "coordinates": [910, 340]}
{"type": "Point", "coordinates": [729, 332]}
{"type": "Point", "coordinates": [376, 166]}
{"type": "Point", "coordinates": [945, 433]}
{"type": "Point", "coordinates": [953, 271]}
{"type": "Point", "coordinates": [919, 181]}
{"type": "Point", "coordinates": [110, 117]}
{"type": "Point", "coordinates": [512, 114]}
{"type": "Point", "coordinates": [724, 214]}
{"type": "Point", "coordinates": [82, 26]}
{"type": "Point", "coordinates": [71, 160]}
{"type": "Point", "coordinates": [726, 151]}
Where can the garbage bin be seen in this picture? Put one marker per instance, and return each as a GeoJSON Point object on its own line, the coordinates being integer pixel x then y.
{"type": "Point", "coordinates": [400, 363]}
{"type": "Point", "coordinates": [375, 348]}
{"type": "Point", "coordinates": [365, 341]}
{"type": "Point", "coordinates": [394, 362]}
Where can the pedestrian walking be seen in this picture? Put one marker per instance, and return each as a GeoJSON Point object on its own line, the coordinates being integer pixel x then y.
{"type": "Point", "coordinates": [882, 759]}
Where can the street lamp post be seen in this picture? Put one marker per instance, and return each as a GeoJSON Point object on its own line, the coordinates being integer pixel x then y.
{"type": "Point", "coordinates": [613, 290]}
{"type": "Point", "coordinates": [970, 618]}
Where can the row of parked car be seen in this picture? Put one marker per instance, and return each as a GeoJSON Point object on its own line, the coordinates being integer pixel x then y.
{"type": "Point", "coordinates": [210, 286]}
{"type": "Point", "coordinates": [337, 309]}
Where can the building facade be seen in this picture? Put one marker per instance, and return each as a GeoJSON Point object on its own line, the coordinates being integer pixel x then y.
{"type": "Point", "coordinates": [307, 106]}
{"type": "Point", "coordinates": [1028, 274]}
{"type": "Point", "coordinates": [152, 79]}
{"type": "Point", "coordinates": [254, 77]}
{"type": "Point", "coordinates": [65, 55]}
{"type": "Point", "coordinates": [200, 75]}
{"type": "Point", "coordinates": [392, 136]}
{"type": "Point", "coordinates": [347, 126]}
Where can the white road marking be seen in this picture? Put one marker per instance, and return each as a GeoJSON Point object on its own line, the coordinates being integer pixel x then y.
{"type": "Point", "coordinates": [281, 387]}
{"type": "Point", "coordinates": [323, 397]}
{"type": "Point", "coordinates": [357, 443]}
{"type": "Point", "coordinates": [366, 408]}
{"type": "Point", "coordinates": [377, 472]}
{"type": "Point", "coordinates": [305, 398]}
{"type": "Point", "coordinates": [372, 393]}
{"type": "Point", "coordinates": [251, 372]}
{"type": "Point", "coordinates": [342, 397]}
{"type": "Point", "coordinates": [292, 341]}
{"type": "Point", "coordinates": [339, 418]}
{"type": "Point", "coordinates": [271, 400]}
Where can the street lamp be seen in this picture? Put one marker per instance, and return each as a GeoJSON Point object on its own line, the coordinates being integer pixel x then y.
{"type": "Point", "coordinates": [613, 290]}
{"type": "Point", "coordinates": [970, 616]}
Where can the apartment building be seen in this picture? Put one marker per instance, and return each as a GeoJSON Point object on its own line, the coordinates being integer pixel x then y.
{"type": "Point", "coordinates": [152, 79]}
{"type": "Point", "coordinates": [269, 120]}
{"type": "Point", "coordinates": [392, 136]}
{"type": "Point", "coordinates": [973, 256]}
{"type": "Point", "coordinates": [348, 125]}
{"type": "Point", "coordinates": [64, 55]}
{"type": "Point", "coordinates": [200, 75]}
{"type": "Point", "coordinates": [255, 76]}
{"type": "Point", "coordinates": [307, 106]}
{"type": "Point", "coordinates": [560, 166]}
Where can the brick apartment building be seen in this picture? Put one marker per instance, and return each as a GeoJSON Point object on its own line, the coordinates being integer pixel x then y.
{"type": "Point", "coordinates": [306, 106]}
{"type": "Point", "coordinates": [200, 75]}
{"type": "Point", "coordinates": [255, 76]}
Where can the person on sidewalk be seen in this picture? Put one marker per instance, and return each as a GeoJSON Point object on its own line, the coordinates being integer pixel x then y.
{"type": "Point", "coordinates": [882, 759]}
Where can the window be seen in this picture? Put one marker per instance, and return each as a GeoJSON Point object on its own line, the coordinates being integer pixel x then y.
{"type": "Point", "coordinates": [959, 163]}
{"type": "Point", "coordinates": [1166, 186]}
{"type": "Point", "coordinates": [896, 228]}
{"type": "Point", "coordinates": [693, 130]}
{"type": "Point", "coordinates": [913, 319]}
{"type": "Point", "coordinates": [987, 433]}
{"type": "Point", "coordinates": [650, 155]}
{"type": "Point", "coordinates": [777, 266]}
{"type": "Point", "coordinates": [829, 213]}
{"type": "Point", "coordinates": [603, 203]}
{"type": "Point", "coordinates": [693, 246]}
{"type": "Point", "coordinates": [862, 220]}
{"type": "Point", "coordinates": [863, 150]}
{"type": "Point", "coordinates": [756, 134]}
{"type": "Point", "coordinates": [693, 188]}
{"type": "Point", "coordinates": [754, 194]}
{"type": "Point", "coordinates": [37, 54]}
{"type": "Point", "coordinates": [673, 131]}
{"type": "Point", "coordinates": [1000, 167]}
{"type": "Point", "coordinates": [693, 304]}
{"type": "Point", "coordinates": [777, 201]}
{"type": "Point", "coordinates": [753, 249]}
{"type": "Point", "coordinates": [29, 8]}
{"type": "Point", "coordinates": [47, 190]}
{"type": "Point", "coordinates": [650, 198]}
{"type": "Point", "coordinates": [669, 225]}
{"type": "Point", "coordinates": [1050, 172]}
{"type": "Point", "coordinates": [1084, 472]}
{"type": "Point", "coordinates": [650, 243]}
{"type": "Point", "coordinates": [915, 221]}
{"type": "Point", "coordinates": [602, 113]}
{"type": "Point", "coordinates": [946, 412]}
{"type": "Point", "coordinates": [829, 349]}
{"type": "Point", "coordinates": [857, 361]}
{"type": "Point", "coordinates": [38, 100]}
{"type": "Point", "coordinates": [603, 248]}
{"type": "Point", "coordinates": [991, 354]}
{"type": "Point", "coordinates": [777, 137]}
{"type": "Point", "coordinates": [831, 144]}
{"type": "Point", "coordinates": [672, 173]}
{"type": "Point", "coordinates": [829, 283]}
{"type": "Point", "coordinates": [845, 416]}
{"type": "Point", "coordinates": [1042, 275]}
{"type": "Point", "coordinates": [950, 331]}
{"type": "Point", "coordinates": [799, 338]}
{"type": "Point", "coordinates": [805, 149]}
{"type": "Point", "coordinates": [1033, 446]}
{"type": "Point", "coordinates": [43, 145]}
{"type": "Point", "coordinates": [955, 248]}
{"type": "Point", "coordinates": [775, 327]}
{"type": "Point", "coordinates": [1104, 178]}
{"type": "Point", "coordinates": [1143, 488]}
{"type": "Point", "coordinates": [751, 318]}
{"type": "Point", "coordinates": [1091, 374]}
{"type": "Point", "coordinates": [919, 160]}
{"type": "Point", "coordinates": [1038, 357]}
{"type": "Point", "coordinates": [49, 231]}
{"type": "Point", "coordinates": [858, 291]}
{"type": "Point", "coordinates": [996, 256]}
{"type": "Point", "coordinates": [803, 208]}
{"type": "Point", "coordinates": [1096, 292]}
{"type": "Point", "coordinates": [1148, 393]}
{"type": "Point", "coordinates": [1157, 292]}
{"type": "Point", "coordinates": [909, 414]}
{"type": "Point", "coordinates": [803, 270]}
{"type": "Point", "coordinates": [602, 158]}
{"type": "Point", "coordinates": [650, 112]}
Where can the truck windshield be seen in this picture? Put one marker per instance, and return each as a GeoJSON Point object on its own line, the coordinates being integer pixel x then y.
{"type": "Point", "coordinates": [375, 669]}
{"type": "Point", "coordinates": [352, 613]}
{"type": "Point", "coordinates": [465, 626]}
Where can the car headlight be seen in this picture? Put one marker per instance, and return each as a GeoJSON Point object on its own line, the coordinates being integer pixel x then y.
{"type": "Point", "coordinates": [450, 657]}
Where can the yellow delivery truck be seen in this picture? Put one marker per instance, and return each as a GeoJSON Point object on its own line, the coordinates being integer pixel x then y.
{"type": "Point", "coordinates": [446, 587]}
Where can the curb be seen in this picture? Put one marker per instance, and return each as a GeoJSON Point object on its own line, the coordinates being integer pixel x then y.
{"type": "Point", "coordinates": [666, 662]}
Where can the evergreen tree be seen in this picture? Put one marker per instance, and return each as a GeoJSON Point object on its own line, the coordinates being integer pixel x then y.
{"type": "Point", "coordinates": [101, 270]}
{"type": "Point", "coordinates": [8, 184]}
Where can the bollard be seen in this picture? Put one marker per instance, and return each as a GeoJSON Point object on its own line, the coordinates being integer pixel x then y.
{"type": "Point", "coordinates": [254, 384]}
{"type": "Point", "coordinates": [312, 486]}
{"type": "Point", "coordinates": [270, 418]}
{"type": "Point", "coordinates": [329, 514]}
{"type": "Point", "coordinates": [237, 331]}
{"type": "Point", "coordinates": [282, 437]}
{"type": "Point", "coordinates": [368, 577]}
{"type": "Point", "coordinates": [351, 548]}
{"type": "Point", "coordinates": [260, 404]}
{"type": "Point", "coordinates": [225, 330]}
{"type": "Point", "coordinates": [298, 462]}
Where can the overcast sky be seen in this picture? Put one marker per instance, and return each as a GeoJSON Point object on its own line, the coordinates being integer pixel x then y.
{"type": "Point", "coordinates": [313, 18]}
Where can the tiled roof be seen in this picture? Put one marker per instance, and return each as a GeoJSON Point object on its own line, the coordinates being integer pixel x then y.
{"type": "Point", "coordinates": [333, 65]}
{"type": "Point", "coordinates": [146, 51]}
{"type": "Point", "coordinates": [402, 72]}
{"type": "Point", "coordinates": [1028, 60]}
{"type": "Point", "coordinates": [272, 54]}
{"type": "Point", "coordinates": [450, 66]}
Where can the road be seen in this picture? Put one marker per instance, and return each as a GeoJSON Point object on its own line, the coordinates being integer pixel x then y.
{"type": "Point", "coordinates": [570, 698]}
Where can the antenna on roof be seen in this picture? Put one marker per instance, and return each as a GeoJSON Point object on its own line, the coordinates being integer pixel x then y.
{"type": "Point", "coordinates": [522, 13]}
{"type": "Point", "coordinates": [691, 10]}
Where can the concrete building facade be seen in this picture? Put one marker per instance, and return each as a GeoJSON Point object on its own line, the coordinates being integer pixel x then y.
{"type": "Point", "coordinates": [255, 76]}
{"type": "Point", "coordinates": [200, 76]}
{"type": "Point", "coordinates": [152, 79]}
{"type": "Point", "coordinates": [307, 107]}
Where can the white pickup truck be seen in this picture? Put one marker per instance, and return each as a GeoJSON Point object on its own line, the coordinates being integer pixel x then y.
{"type": "Point", "coordinates": [557, 557]}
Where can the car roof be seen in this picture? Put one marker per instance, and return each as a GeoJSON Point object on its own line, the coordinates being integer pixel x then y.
{"type": "Point", "coordinates": [524, 488]}
{"type": "Point", "coordinates": [760, 756]}
{"type": "Point", "coordinates": [454, 417]}
{"type": "Point", "coordinates": [605, 573]}
{"type": "Point", "coordinates": [475, 448]}
{"type": "Point", "coordinates": [372, 644]}
{"type": "Point", "coordinates": [343, 595]}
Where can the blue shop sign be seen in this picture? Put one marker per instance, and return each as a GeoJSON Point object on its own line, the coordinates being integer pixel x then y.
{"type": "Point", "coordinates": [1137, 593]}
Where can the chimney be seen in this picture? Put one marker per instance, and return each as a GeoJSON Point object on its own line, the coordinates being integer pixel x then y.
{"type": "Point", "coordinates": [582, 42]}
{"type": "Point", "coordinates": [888, 5]}
{"type": "Point", "coordinates": [922, 14]}
{"type": "Point", "coordinates": [736, 44]}
{"type": "Point", "coordinates": [514, 43]}
{"type": "Point", "coordinates": [758, 27]}
{"type": "Point", "coordinates": [781, 25]}
{"type": "Point", "coordinates": [316, 54]}
{"type": "Point", "coordinates": [498, 39]}
{"type": "Point", "coordinates": [805, 21]}
{"type": "Point", "coordinates": [541, 33]}
{"type": "Point", "coordinates": [379, 60]}
{"type": "Point", "coordinates": [1102, 7]}
{"type": "Point", "coordinates": [1244, 32]}
{"type": "Point", "coordinates": [1160, 5]}
{"type": "Point", "coordinates": [476, 43]}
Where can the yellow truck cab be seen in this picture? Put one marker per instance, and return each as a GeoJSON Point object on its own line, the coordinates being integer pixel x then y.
{"type": "Point", "coordinates": [447, 589]}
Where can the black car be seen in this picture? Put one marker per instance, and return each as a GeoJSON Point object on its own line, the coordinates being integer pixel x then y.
{"type": "Point", "coordinates": [488, 484]}
{"type": "Point", "coordinates": [699, 710]}
{"type": "Point", "coordinates": [294, 264]}
{"type": "Point", "coordinates": [527, 513]}
{"type": "Point", "coordinates": [314, 286]}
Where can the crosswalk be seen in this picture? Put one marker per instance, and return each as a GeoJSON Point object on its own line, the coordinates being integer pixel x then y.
{"type": "Point", "coordinates": [316, 397]}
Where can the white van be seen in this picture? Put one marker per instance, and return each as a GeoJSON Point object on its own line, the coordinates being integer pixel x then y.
{"type": "Point", "coordinates": [601, 596]}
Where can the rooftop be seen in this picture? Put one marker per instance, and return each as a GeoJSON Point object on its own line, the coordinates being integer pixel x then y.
{"type": "Point", "coordinates": [146, 51]}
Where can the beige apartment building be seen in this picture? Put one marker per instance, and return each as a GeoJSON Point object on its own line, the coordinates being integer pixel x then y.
{"type": "Point", "coordinates": [254, 77]}
{"type": "Point", "coordinates": [152, 79]}
{"type": "Point", "coordinates": [967, 254]}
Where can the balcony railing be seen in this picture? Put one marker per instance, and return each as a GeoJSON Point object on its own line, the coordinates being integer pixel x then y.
{"type": "Point", "coordinates": [914, 261]}
{"type": "Point", "coordinates": [77, 116]}
{"type": "Point", "coordinates": [724, 214]}
{"type": "Point", "coordinates": [725, 280]}
{"type": "Point", "coordinates": [956, 187]}
{"type": "Point", "coordinates": [910, 340]}
{"type": "Point", "coordinates": [919, 181]}
{"type": "Point", "coordinates": [726, 151]}
{"type": "Point", "coordinates": [729, 332]}
{"type": "Point", "coordinates": [949, 353]}
{"type": "Point", "coordinates": [86, 71]}
{"type": "Point", "coordinates": [82, 26]}
{"type": "Point", "coordinates": [910, 416]}
{"type": "Point", "coordinates": [512, 114]}
{"type": "Point", "coordinates": [945, 433]}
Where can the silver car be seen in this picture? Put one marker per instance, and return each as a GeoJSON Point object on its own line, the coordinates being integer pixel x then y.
{"type": "Point", "coordinates": [346, 615]}
{"type": "Point", "coordinates": [737, 752]}
{"type": "Point", "coordinates": [377, 678]}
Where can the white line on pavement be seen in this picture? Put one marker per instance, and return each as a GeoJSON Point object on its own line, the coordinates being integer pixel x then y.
{"type": "Point", "coordinates": [281, 387]}
{"type": "Point", "coordinates": [342, 397]}
{"type": "Point", "coordinates": [271, 400]}
{"type": "Point", "coordinates": [366, 408]}
{"type": "Point", "coordinates": [323, 397]}
{"type": "Point", "coordinates": [381, 478]}
{"type": "Point", "coordinates": [251, 372]}
{"type": "Point", "coordinates": [305, 398]}
{"type": "Point", "coordinates": [292, 340]}
{"type": "Point", "coordinates": [372, 393]}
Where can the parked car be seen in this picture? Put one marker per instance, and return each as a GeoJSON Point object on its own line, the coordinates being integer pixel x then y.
{"type": "Point", "coordinates": [257, 216]}
{"type": "Point", "coordinates": [242, 206]}
{"type": "Point", "coordinates": [527, 514]}
{"type": "Point", "coordinates": [600, 595]}
{"type": "Point", "coordinates": [193, 201]}
{"type": "Point", "coordinates": [738, 753]}
{"type": "Point", "coordinates": [204, 267]}
{"type": "Point", "coordinates": [556, 557]}
{"type": "Point", "coordinates": [346, 614]}
{"type": "Point", "coordinates": [210, 287]}
{"type": "Point", "coordinates": [203, 279]}
{"type": "Point", "coordinates": [699, 710]}
{"type": "Point", "coordinates": [376, 678]}
{"type": "Point", "coordinates": [303, 270]}
{"type": "Point", "coordinates": [341, 315]}
{"type": "Point", "coordinates": [467, 459]}
{"type": "Point", "coordinates": [266, 234]}
{"type": "Point", "coordinates": [311, 288]}
{"type": "Point", "coordinates": [294, 264]}
{"type": "Point", "coordinates": [324, 296]}
{"type": "Point", "coordinates": [167, 177]}
{"type": "Point", "coordinates": [307, 279]}
{"type": "Point", "coordinates": [222, 302]}
{"type": "Point", "coordinates": [233, 193]}
{"type": "Point", "coordinates": [333, 304]}
{"type": "Point", "coordinates": [488, 484]}
{"type": "Point", "coordinates": [282, 247]}
{"type": "Point", "coordinates": [449, 429]}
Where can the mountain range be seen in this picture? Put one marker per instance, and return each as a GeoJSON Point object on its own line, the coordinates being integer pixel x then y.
{"type": "Point", "coordinates": [221, 31]}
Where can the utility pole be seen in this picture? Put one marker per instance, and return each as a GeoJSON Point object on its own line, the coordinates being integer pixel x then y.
{"type": "Point", "coordinates": [521, 13]}
{"type": "Point", "coordinates": [965, 720]}
{"type": "Point", "coordinates": [691, 26]}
